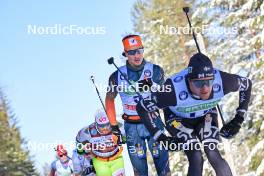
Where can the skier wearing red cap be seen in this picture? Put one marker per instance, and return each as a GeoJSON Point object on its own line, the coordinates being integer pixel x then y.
{"type": "Point", "coordinates": [63, 165]}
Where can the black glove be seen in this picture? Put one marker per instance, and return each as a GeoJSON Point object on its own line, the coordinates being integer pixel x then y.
{"type": "Point", "coordinates": [230, 129]}
{"type": "Point", "coordinates": [167, 141]}
{"type": "Point", "coordinates": [88, 170]}
{"type": "Point", "coordinates": [164, 138]}
{"type": "Point", "coordinates": [145, 85]}
{"type": "Point", "coordinates": [120, 138]}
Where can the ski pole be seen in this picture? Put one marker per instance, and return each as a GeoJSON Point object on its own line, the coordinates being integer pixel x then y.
{"type": "Point", "coordinates": [110, 62]}
{"type": "Point", "coordinates": [186, 10]}
{"type": "Point", "coordinates": [92, 79]}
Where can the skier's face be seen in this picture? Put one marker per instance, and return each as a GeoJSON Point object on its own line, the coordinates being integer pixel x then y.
{"type": "Point", "coordinates": [104, 129]}
{"type": "Point", "coordinates": [201, 87]}
{"type": "Point", "coordinates": [135, 57]}
{"type": "Point", "coordinates": [88, 155]}
{"type": "Point", "coordinates": [63, 158]}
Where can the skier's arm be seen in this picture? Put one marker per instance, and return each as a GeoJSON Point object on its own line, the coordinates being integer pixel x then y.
{"type": "Point", "coordinates": [165, 96]}
{"type": "Point", "coordinates": [158, 75]}
{"type": "Point", "coordinates": [233, 83]}
{"type": "Point", "coordinates": [77, 168]}
{"type": "Point", "coordinates": [71, 166]}
{"type": "Point", "coordinates": [88, 145]}
{"type": "Point", "coordinates": [146, 108]}
{"type": "Point", "coordinates": [110, 99]}
{"type": "Point", "coordinates": [110, 106]}
{"type": "Point", "coordinates": [52, 172]}
{"type": "Point", "coordinates": [53, 168]}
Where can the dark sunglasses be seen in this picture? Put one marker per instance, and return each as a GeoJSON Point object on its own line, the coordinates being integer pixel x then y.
{"type": "Point", "coordinates": [80, 151]}
{"type": "Point", "coordinates": [83, 152]}
{"type": "Point", "coordinates": [201, 83]}
{"type": "Point", "coordinates": [61, 156]}
{"type": "Point", "coordinates": [133, 52]}
{"type": "Point", "coordinates": [107, 125]}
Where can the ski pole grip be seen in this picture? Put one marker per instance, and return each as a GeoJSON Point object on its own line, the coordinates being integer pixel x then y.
{"type": "Point", "coordinates": [186, 9]}
{"type": "Point", "coordinates": [92, 78]}
{"type": "Point", "coordinates": [110, 60]}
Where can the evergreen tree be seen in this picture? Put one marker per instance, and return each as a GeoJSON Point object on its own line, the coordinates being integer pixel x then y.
{"type": "Point", "coordinates": [14, 158]}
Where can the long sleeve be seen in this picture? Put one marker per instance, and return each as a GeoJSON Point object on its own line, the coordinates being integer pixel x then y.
{"type": "Point", "coordinates": [233, 83]}
{"type": "Point", "coordinates": [159, 99]}
{"type": "Point", "coordinates": [110, 100]}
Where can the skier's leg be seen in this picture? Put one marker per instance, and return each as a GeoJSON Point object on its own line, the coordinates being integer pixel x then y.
{"type": "Point", "coordinates": [136, 149]}
{"type": "Point", "coordinates": [101, 168]}
{"type": "Point", "coordinates": [218, 163]}
{"type": "Point", "coordinates": [209, 135]}
{"type": "Point", "coordinates": [195, 162]}
{"type": "Point", "coordinates": [117, 166]}
{"type": "Point", "coordinates": [183, 130]}
{"type": "Point", "coordinates": [160, 158]}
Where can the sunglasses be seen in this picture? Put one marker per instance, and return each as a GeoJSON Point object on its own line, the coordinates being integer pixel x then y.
{"type": "Point", "coordinates": [133, 52]}
{"type": "Point", "coordinates": [61, 156]}
{"type": "Point", "coordinates": [83, 152]}
{"type": "Point", "coordinates": [201, 83]}
{"type": "Point", "coordinates": [107, 125]}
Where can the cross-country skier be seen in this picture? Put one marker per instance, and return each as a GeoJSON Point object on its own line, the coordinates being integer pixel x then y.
{"type": "Point", "coordinates": [190, 110]}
